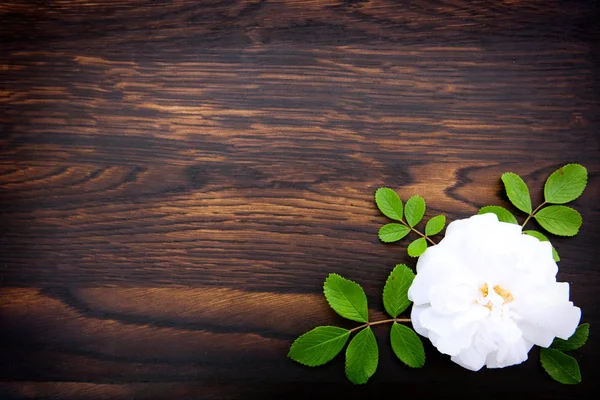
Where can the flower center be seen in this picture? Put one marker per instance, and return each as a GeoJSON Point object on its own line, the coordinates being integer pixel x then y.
{"type": "Point", "coordinates": [498, 298]}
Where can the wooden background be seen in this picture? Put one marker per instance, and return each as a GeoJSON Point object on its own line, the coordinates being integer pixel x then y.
{"type": "Point", "coordinates": [177, 178]}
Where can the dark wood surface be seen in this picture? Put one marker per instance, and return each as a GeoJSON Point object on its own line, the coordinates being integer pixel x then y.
{"type": "Point", "coordinates": [177, 178]}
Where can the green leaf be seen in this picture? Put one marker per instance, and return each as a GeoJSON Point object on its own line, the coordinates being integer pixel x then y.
{"type": "Point", "coordinates": [389, 203]}
{"type": "Point", "coordinates": [540, 236]}
{"type": "Point", "coordinates": [407, 346]}
{"type": "Point", "coordinates": [517, 191]}
{"type": "Point", "coordinates": [560, 367]}
{"type": "Point", "coordinates": [576, 340]}
{"type": "Point", "coordinates": [559, 220]}
{"type": "Point", "coordinates": [395, 291]}
{"type": "Point", "coordinates": [362, 357]}
{"type": "Point", "coordinates": [502, 213]}
{"type": "Point", "coordinates": [555, 255]}
{"type": "Point", "coordinates": [565, 184]}
{"type": "Point", "coordinates": [435, 225]}
{"type": "Point", "coordinates": [393, 232]}
{"type": "Point", "coordinates": [414, 210]}
{"type": "Point", "coordinates": [347, 298]}
{"type": "Point", "coordinates": [319, 346]}
{"type": "Point", "coordinates": [418, 247]}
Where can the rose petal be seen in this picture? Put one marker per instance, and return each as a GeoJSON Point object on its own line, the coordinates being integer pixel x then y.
{"type": "Point", "coordinates": [449, 340]}
{"type": "Point", "coordinates": [560, 320]}
{"type": "Point", "coordinates": [470, 358]}
{"type": "Point", "coordinates": [508, 355]}
{"type": "Point", "coordinates": [416, 322]}
{"type": "Point", "coordinates": [451, 298]}
{"type": "Point", "coordinates": [536, 334]}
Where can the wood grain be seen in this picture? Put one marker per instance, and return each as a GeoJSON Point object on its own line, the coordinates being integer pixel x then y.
{"type": "Point", "coordinates": [178, 177]}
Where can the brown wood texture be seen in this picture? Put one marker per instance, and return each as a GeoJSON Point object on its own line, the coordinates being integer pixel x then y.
{"type": "Point", "coordinates": [177, 178]}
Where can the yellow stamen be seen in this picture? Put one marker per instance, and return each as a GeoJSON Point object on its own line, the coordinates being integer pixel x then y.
{"type": "Point", "coordinates": [484, 290]}
{"type": "Point", "coordinates": [505, 294]}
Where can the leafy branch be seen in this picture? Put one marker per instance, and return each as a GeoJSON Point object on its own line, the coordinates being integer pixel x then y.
{"type": "Point", "coordinates": [390, 204]}
{"type": "Point", "coordinates": [562, 186]}
{"type": "Point", "coordinates": [348, 299]}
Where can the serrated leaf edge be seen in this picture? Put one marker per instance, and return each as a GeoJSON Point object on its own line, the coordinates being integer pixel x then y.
{"type": "Point", "coordinates": [408, 201]}
{"type": "Point", "coordinates": [441, 216]}
{"type": "Point", "coordinates": [568, 341]}
{"type": "Point", "coordinates": [379, 208]}
{"type": "Point", "coordinates": [414, 241]}
{"type": "Point", "coordinates": [530, 209]}
{"type": "Point", "coordinates": [362, 350]}
{"type": "Point", "coordinates": [582, 190]}
{"type": "Point", "coordinates": [396, 354]}
{"type": "Point", "coordinates": [346, 333]}
{"type": "Point", "coordinates": [559, 234]}
{"type": "Point", "coordinates": [548, 353]}
{"type": "Point", "coordinates": [389, 278]}
{"type": "Point", "coordinates": [365, 319]}
{"type": "Point", "coordinates": [395, 240]}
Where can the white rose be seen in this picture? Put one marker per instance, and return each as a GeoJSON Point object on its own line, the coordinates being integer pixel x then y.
{"type": "Point", "coordinates": [487, 293]}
